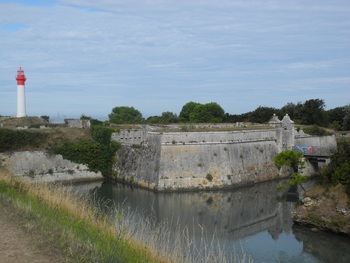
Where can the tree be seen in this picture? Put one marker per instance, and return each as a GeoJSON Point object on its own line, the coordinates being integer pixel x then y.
{"type": "Point", "coordinates": [335, 117]}
{"type": "Point", "coordinates": [262, 114]}
{"type": "Point", "coordinates": [338, 169]}
{"type": "Point", "coordinates": [293, 110]}
{"type": "Point", "coordinates": [292, 159]}
{"type": "Point", "coordinates": [186, 110]}
{"type": "Point", "coordinates": [210, 112]}
{"type": "Point", "coordinates": [125, 115]}
{"type": "Point", "coordinates": [167, 117]}
{"type": "Point", "coordinates": [45, 117]}
{"type": "Point", "coordinates": [346, 120]}
{"type": "Point", "coordinates": [313, 112]}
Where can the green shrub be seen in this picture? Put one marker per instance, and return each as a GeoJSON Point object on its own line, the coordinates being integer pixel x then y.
{"type": "Point", "coordinates": [289, 158]}
{"type": "Point", "coordinates": [209, 177]}
{"type": "Point", "coordinates": [338, 170]}
{"type": "Point", "coordinates": [96, 156]}
{"type": "Point", "coordinates": [14, 140]}
{"type": "Point", "coordinates": [316, 130]}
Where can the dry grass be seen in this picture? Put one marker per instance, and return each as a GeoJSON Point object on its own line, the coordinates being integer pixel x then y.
{"type": "Point", "coordinates": [13, 122]}
{"type": "Point", "coordinates": [127, 229]}
{"type": "Point", "coordinates": [78, 217]}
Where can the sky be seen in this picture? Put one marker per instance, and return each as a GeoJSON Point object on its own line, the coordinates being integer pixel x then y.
{"type": "Point", "coordinates": [87, 56]}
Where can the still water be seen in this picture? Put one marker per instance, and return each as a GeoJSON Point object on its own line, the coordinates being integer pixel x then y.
{"type": "Point", "coordinates": [255, 219]}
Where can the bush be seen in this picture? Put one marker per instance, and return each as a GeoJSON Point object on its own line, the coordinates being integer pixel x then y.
{"type": "Point", "coordinates": [209, 177]}
{"type": "Point", "coordinates": [289, 158]}
{"type": "Point", "coordinates": [338, 170]}
{"type": "Point", "coordinates": [11, 140]}
{"type": "Point", "coordinates": [316, 130]}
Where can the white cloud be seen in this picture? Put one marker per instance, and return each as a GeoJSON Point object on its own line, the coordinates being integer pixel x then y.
{"type": "Point", "coordinates": [157, 55]}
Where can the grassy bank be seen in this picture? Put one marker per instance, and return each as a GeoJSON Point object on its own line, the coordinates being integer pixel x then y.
{"type": "Point", "coordinates": [86, 235]}
{"type": "Point", "coordinates": [80, 230]}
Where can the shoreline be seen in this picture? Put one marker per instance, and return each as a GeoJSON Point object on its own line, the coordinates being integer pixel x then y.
{"type": "Point", "coordinates": [324, 209]}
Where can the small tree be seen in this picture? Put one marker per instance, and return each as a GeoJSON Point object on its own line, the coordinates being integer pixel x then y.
{"type": "Point", "coordinates": [294, 160]}
{"type": "Point", "coordinates": [125, 115]}
{"type": "Point", "coordinates": [186, 110]}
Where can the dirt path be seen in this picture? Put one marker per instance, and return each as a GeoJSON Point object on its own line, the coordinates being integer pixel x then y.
{"type": "Point", "coordinates": [19, 242]}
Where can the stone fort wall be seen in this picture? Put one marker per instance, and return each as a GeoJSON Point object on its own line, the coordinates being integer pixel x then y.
{"type": "Point", "coordinates": [182, 161]}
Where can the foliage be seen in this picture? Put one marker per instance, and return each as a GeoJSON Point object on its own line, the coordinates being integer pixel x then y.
{"type": "Point", "coordinates": [167, 117]}
{"type": "Point", "coordinates": [313, 112]}
{"type": "Point", "coordinates": [209, 177]}
{"type": "Point", "coordinates": [338, 170]}
{"type": "Point", "coordinates": [125, 115]}
{"type": "Point", "coordinates": [289, 158]}
{"type": "Point", "coordinates": [294, 160]}
{"type": "Point", "coordinates": [346, 120]}
{"type": "Point", "coordinates": [14, 140]}
{"type": "Point", "coordinates": [85, 117]}
{"type": "Point", "coordinates": [204, 113]}
{"type": "Point", "coordinates": [101, 134]}
{"type": "Point", "coordinates": [232, 118]}
{"type": "Point", "coordinates": [186, 110]}
{"type": "Point", "coordinates": [294, 110]}
{"type": "Point", "coordinates": [297, 178]}
{"type": "Point", "coordinates": [316, 130]}
{"type": "Point", "coordinates": [335, 117]}
{"type": "Point", "coordinates": [46, 118]}
{"type": "Point", "coordinates": [98, 155]}
{"type": "Point", "coordinates": [262, 114]}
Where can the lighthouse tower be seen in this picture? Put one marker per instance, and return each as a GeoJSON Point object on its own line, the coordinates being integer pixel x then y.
{"type": "Point", "coordinates": [21, 97]}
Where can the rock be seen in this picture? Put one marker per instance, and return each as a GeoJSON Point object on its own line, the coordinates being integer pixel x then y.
{"type": "Point", "coordinates": [307, 201]}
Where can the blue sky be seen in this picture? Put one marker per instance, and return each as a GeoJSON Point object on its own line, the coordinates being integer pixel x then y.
{"type": "Point", "coordinates": [88, 56]}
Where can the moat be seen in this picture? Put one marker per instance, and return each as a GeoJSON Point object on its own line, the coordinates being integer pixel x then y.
{"type": "Point", "coordinates": [255, 219]}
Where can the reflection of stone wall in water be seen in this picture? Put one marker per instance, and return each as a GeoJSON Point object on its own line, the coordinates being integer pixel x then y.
{"type": "Point", "coordinates": [322, 245]}
{"type": "Point", "coordinates": [227, 214]}
{"type": "Point", "coordinates": [233, 214]}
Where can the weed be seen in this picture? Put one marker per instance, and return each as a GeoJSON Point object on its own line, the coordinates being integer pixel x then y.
{"type": "Point", "coordinates": [209, 177]}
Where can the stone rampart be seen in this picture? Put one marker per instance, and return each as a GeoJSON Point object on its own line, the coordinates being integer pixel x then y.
{"type": "Point", "coordinates": [198, 160]}
{"type": "Point", "coordinates": [170, 160]}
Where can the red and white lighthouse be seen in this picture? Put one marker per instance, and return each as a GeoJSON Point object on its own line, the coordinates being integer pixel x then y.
{"type": "Point", "coordinates": [21, 97]}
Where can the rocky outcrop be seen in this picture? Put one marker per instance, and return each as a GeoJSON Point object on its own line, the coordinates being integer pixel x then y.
{"type": "Point", "coordinates": [39, 166]}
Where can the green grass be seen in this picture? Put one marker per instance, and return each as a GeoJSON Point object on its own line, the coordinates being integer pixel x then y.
{"type": "Point", "coordinates": [84, 233]}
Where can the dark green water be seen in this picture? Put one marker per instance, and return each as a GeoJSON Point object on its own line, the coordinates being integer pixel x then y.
{"type": "Point", "coordinates": [254, 219]}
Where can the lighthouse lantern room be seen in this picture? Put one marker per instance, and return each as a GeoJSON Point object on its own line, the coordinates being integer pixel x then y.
{"type": "Point", "coordinates": [21, 98]}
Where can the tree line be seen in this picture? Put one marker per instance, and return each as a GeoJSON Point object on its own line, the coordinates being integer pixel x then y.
{"type": "Point", "coordinates": [310, 112]}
